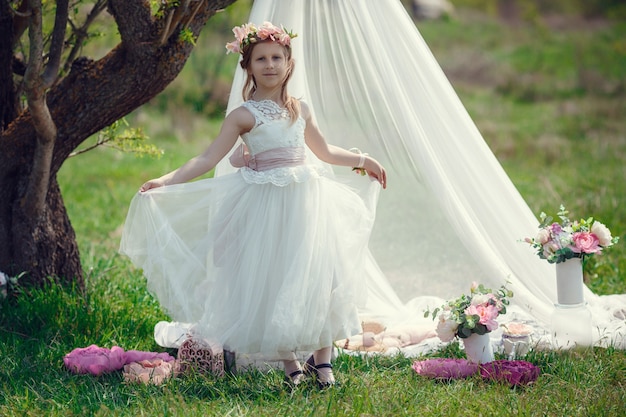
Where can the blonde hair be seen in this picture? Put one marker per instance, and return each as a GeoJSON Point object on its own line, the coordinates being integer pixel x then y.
{"type": "Point", "coordinates": [249, 88]}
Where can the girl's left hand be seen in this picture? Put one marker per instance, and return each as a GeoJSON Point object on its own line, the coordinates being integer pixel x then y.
{"type": "Point", "coordinates": [375, 170]}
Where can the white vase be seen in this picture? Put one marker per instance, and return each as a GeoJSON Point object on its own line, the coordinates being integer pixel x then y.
{"type": "Point", "coordinates": [569, 282]}
{"type": "Point", "coordinates": [478, 348]}
{"type": "Point", "coordinates": [515, 346]}
{"type": "Point", "coordinates": [571, 326]}
{"type": "Point", "coordinates": [571, 319]}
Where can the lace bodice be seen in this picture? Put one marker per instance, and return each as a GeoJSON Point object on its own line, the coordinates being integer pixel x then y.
{"type": "Point", "coordinates": [272, 128]}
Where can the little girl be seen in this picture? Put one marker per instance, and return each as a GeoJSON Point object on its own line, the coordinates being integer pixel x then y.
{"type": "Point", "coordinates": [267, 259]}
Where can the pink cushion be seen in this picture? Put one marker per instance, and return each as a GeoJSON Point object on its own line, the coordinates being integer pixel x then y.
{"type": "Point", "coordinates": [443, 368]}
{"type": "Point", "coordinates": [96, 360]}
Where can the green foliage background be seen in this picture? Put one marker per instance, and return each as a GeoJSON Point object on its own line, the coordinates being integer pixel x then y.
{"type": "Point", "coordinates": [547, 91]}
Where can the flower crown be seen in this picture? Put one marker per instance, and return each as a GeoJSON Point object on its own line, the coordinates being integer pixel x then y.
{"type": "Point", "coordinates": [248, 33]}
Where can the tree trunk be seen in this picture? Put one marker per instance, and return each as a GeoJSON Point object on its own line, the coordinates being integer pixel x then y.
{"type": "Point", "coordinates": [7, 90]}
{"type": "Point", "coordinates": [91, 97]}
{"type": "Point", "coordinates": [51, 249]}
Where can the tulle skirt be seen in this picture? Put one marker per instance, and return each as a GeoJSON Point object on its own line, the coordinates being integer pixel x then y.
{"type": "Point", "coordinates": [259, 267]}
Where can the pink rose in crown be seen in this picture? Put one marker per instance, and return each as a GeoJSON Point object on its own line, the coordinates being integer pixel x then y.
{"type": "Point", "coordinates": [248, 34]}
{"type": "Point", "coordinates": [268, 30]}
{"type": "Point", "coordinates": [284, 39]}
{"type": "Point", "coordinates": [240, 33]}
{"type": "Point", "coordinates": [233, 47]}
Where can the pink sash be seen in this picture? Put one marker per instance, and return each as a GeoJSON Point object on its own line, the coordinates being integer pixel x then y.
{"type": "Point", "coordinates": [270, 159]}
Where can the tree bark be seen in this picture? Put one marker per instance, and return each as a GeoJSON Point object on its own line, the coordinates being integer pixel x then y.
{"type": "Point", "coordinates": [41, 241]}
{"type": "Point", "coordinates": [8, 109]}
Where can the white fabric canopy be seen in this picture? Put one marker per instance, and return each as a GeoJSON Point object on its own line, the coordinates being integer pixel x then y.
{"type": "Point", "coordinates": [450, 214]}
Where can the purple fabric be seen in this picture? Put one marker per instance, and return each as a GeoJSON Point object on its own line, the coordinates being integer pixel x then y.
{"type": "Point", "coordinates": [96, 360]}
{"type": "Point", "coordinates": [511, 372]}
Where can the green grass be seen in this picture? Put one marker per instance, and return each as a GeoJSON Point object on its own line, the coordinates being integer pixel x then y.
{"type": "Point", "coordinates": [558, 135]}
{"type": "Point", "coordinates": [41, 328]}
{"type": "Point", "coordinates": [38, 330]}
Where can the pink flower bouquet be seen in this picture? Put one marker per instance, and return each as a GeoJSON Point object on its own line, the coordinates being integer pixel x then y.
{"type": "Point", "coordinates": [558, 242]}
{"type": "Point", "coordinates": [473, 313]}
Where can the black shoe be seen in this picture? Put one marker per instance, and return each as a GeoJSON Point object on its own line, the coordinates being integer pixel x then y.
{"type": "Point", "coordinates": [323, 384]}
{"type": "Point", "coordinates": [309, 367]}
{"type": "Point", "coordinates": [295, 378]}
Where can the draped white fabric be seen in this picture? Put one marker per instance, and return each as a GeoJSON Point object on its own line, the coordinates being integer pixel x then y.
{"type": "Point", "coordinates": [450, 214]}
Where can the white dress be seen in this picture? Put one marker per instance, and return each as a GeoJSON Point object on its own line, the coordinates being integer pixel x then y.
{"type": "Point", "coordinates": [266, 260]}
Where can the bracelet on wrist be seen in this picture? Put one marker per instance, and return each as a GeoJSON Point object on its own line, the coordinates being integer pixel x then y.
{"type": "Point", "coordinates": [359, 168]}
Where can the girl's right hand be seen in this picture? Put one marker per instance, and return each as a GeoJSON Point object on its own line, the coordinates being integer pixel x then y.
{"type": "Point", "coordinates": [149, 185]}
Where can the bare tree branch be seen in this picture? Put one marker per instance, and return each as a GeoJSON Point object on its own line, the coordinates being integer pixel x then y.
{"type": "Point", "coordinates": [56, 46]}
{"type": "Point", "coordinates": [173, 18]}
{"type": "Point", "coordinates": [81, 33]}
{"type": "Point", "coordinates": [20, 23]}
{"type": "Point", "coordinates": [195, 11]}
{"type": "Point", "coordinates": [181, 15]}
